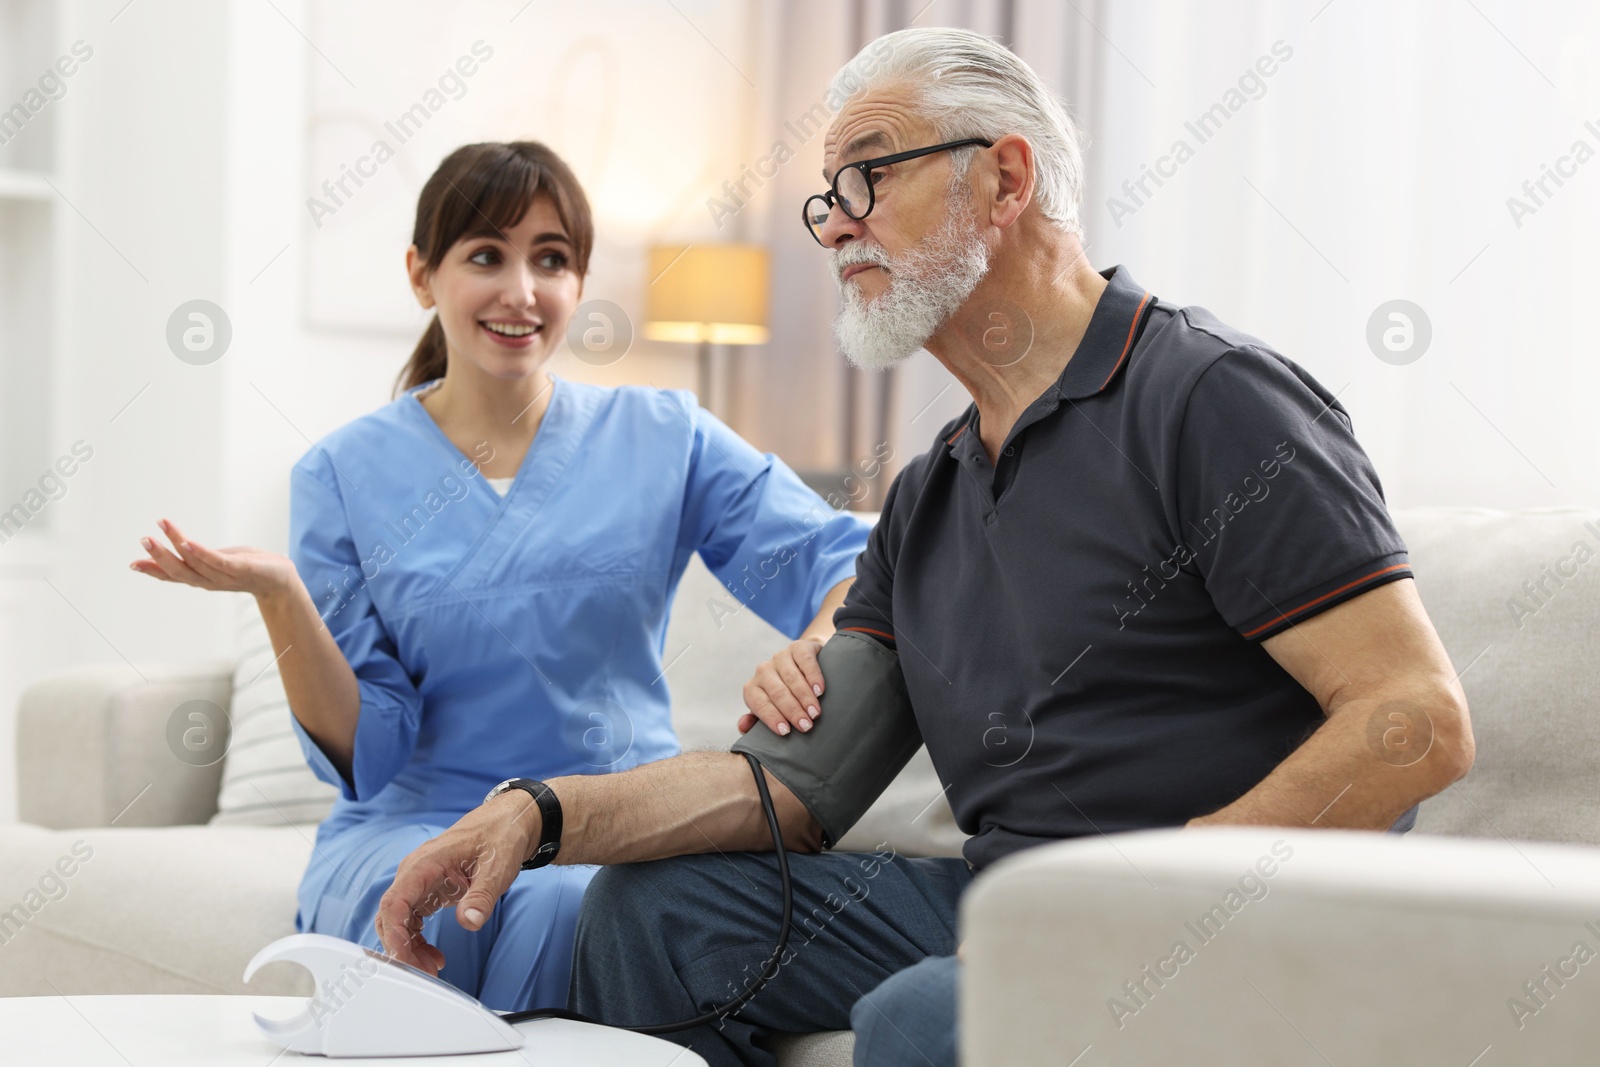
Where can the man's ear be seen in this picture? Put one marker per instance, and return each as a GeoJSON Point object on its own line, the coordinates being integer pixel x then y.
{"type": "Point", "coordinates": [1012, 163]}
{"type": "Point", "coordinates": [417, 272]}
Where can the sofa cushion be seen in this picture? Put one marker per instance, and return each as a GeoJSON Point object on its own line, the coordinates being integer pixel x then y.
{"type": "Point", "coordinates": [829, 1048]}
{"type": "Point", "coordinates": [265, 778]}
{"type": "Point", "coordinates": [1264, 945]}
{"type": "Point", "coordinates": [177, 909]}
{"type": "Point", "coordinates": [1515, 596]}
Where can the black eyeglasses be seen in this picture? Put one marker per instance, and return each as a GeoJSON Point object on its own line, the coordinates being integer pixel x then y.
{"type": "Point", "coordinates": [853, 187]}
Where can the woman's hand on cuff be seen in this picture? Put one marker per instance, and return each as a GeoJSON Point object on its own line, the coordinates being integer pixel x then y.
{"type": "Point", "coordinates": [784, 691]}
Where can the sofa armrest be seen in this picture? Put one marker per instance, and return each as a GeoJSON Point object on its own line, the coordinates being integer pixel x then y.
{"type": "Point", "coordinates": [1261, 945]}
{"type": "Point", "coordinates": [92, 747]}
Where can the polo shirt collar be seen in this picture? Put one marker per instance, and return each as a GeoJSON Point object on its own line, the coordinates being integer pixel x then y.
{"type": "Point", "coordinates": [1103, 352]}
{"type": "Point", "coordinates": [1095, 364]}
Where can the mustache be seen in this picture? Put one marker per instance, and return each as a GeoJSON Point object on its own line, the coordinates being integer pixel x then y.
{"type": "Point", "coordinates": [854, 253]}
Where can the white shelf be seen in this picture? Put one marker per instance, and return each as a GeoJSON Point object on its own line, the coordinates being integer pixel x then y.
{"type": "Point", "coordinates": [24, 185]}
{"type": "Point", "coordinates": [32, 235]}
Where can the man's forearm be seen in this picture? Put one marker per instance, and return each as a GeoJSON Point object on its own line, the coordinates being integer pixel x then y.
{"type": "Point", "coordinates": [1345, 776]}
{"type": "Point", "coordinates": [694, 802]}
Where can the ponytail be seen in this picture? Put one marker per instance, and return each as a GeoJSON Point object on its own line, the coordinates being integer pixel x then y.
{"type": "Point", "coordinates": [427, 360]}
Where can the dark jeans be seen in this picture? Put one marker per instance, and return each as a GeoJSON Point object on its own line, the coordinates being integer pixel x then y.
{"type": "Point", "coordinates": [871, 948]}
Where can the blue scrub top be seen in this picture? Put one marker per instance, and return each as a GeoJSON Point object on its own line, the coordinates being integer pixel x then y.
{"type": "Point", "coordinates": [495, 637]}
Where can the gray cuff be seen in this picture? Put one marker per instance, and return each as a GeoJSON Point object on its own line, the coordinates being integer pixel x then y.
{"type": "Point", "coordinates": [865, 734]}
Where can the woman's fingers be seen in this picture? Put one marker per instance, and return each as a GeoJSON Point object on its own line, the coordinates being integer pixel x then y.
{"type": "Point", "coordinates": [193, 563]}
{"type": "Point", "coordinates": [186, 550]}
{"type": "Point", "coordinates": [162, 563]}
{"type": "Point", "coordinates": [173, 533]}
{"type": "Point", "coordinates": [213, 566]}
{"type": "Point", "coordinates": [795, 681]}
{"type": "Point", "coordinates": [174, 568]}
{"type": "Point", "coordinates": [770, 695]}
{"type": "Point", "coordinates": [746, 721]}
{"type": "Point", "coordinates": [145, 566]}
{"type": "Point", "coordinates": [785, 690]}
{"type": "Point", "coordinates": [761, 706]}
{"type": "Point", "coordinates": [805, 657]}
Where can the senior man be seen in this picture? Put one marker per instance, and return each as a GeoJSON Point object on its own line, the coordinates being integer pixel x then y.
{"type": "Point", "coordinates": [1146, 579]}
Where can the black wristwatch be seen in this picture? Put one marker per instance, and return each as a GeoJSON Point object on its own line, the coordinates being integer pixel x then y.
{"type": "Point", "coordinates": [549, 818]}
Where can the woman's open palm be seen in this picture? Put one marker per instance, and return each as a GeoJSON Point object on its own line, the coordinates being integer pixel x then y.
{"type": "Point", "coordinates": [240, 569]}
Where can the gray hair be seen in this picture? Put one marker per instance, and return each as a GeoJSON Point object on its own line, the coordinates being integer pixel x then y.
{"type": "Point", "coordinates": [968, 85]}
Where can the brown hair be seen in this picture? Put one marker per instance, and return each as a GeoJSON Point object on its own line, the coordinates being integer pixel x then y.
{"type": "Point", "coordinates": [481, 190]}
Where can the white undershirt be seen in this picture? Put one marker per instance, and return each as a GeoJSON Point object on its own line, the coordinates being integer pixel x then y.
{"type": "Point", "coordinates": [501, 484]}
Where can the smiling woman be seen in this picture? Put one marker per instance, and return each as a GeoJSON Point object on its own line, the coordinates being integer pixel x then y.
{"type": "Point", "coordinates": [517, 629]}
{"type": "Point", "coordinates": [478, 194]}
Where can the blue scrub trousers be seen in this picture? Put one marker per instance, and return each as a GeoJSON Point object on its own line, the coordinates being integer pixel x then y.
{"type": "Point", "coordinates": [520, 959]}
{"type": "Point", "coordinates": [871, 948]}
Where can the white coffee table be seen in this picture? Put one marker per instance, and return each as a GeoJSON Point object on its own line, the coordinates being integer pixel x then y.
{"type": "Point", "coordinates": [218, 1031]}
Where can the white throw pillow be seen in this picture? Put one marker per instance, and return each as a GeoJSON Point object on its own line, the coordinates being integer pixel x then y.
{"type": "Point", "coordinates": [265, 778]}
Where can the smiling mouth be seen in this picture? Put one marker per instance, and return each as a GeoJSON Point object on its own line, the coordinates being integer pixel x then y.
{"type": "Point", "coordinates": [510, 329]}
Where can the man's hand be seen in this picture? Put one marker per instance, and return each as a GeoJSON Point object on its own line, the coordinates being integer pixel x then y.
{"type": "Point", "coordinates": [470, 865]}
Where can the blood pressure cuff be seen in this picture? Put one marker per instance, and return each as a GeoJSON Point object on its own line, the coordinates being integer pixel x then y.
{"type": "Point", "coordinates": [864, 735]}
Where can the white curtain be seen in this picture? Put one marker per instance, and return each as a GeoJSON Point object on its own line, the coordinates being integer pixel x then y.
{"type": "Point", "coordinates": [1340, 156]}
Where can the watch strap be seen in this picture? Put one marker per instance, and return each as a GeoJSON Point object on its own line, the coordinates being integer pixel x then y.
{"type": "Point", "coordinates": [549, 821]}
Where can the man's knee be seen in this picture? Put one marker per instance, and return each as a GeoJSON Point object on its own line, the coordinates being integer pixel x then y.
{"type": "Point", "coordinates": [638, 923]}
{"type": "Point", "coordinates": [630, 901]}
{"type": "Point", "coordinates": [910, 1016]}
{"type": "Point", "coordinates": [614, 906]}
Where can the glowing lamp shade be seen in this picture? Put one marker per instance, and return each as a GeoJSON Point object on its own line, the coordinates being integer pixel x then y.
{"type": "Point", "coordinates": [708, 294]}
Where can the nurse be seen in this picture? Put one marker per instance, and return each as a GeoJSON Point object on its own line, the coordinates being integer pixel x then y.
{"type": "Point", "coordinates": [480, 572]}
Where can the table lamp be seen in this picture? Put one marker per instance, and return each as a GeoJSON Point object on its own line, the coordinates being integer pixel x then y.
{"type": "Point", "coordinates": [708, 294]}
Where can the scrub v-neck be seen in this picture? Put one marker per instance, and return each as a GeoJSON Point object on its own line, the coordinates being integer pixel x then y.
{"type": "Point", "coordinates": [567, 419]}
{"type": "Point", "coordinates": [556, 392]}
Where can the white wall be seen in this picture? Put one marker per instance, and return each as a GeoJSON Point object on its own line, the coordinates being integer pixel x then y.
{"type": "Point", "coordinates": [191, 143]}
{"type": "Point", "coordinates": [1377, 164]}
{"type": "Point", "coordinates": [138, 158]}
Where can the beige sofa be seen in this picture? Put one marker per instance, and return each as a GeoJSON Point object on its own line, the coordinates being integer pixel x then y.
{"type": "Point", "coordinates": [169, 904]}
{"type": "Point", "coordinates": [1359, 948]}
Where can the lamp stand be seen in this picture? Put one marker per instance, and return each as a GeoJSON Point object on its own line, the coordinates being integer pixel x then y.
{"type": "Point", "coordinates": [705, 375]}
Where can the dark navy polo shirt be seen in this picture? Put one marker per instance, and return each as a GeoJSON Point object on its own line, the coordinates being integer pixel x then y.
{"type": "Point", "coordinates": [1080, 625]}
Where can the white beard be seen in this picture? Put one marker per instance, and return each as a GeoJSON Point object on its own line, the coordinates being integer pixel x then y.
{"type": "Point", "coordinates": [926, 286]}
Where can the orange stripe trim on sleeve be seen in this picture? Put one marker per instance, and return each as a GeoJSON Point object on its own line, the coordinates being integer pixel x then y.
{"type": "Point", "coordinates": [875, 633]}
{"type": "Point", "coordinates": [1127, 346]}
{"type": "Point", "coordinates": [1325, 596]}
